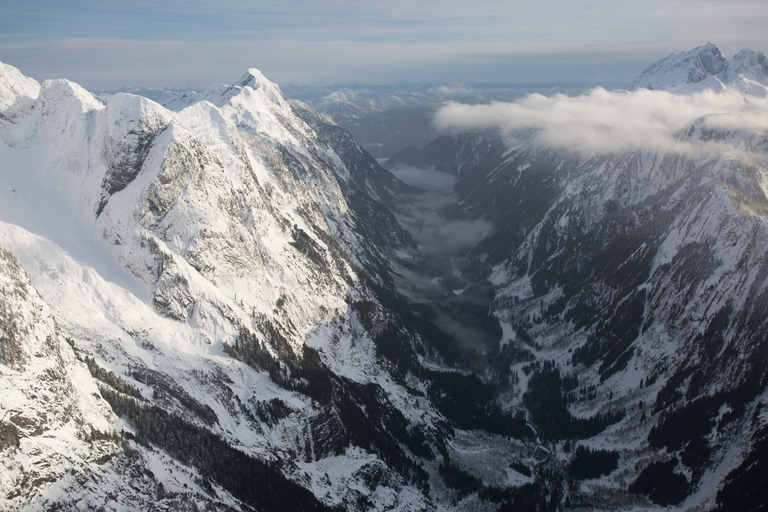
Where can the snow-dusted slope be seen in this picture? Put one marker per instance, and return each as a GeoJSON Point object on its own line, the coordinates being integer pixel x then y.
{"type": "Point", "coordinates": [61, 445]}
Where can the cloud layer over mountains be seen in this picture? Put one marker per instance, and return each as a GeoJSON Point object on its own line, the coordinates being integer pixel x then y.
{"type": "Point", "coordinates": [613, 121]}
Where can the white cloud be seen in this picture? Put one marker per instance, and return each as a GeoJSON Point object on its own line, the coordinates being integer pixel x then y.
{"type": "Point", "coordinates": [612, 121]}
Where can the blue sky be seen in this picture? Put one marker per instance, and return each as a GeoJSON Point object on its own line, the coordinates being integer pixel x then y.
{"type": "Point", "coordinates": [197, 42]}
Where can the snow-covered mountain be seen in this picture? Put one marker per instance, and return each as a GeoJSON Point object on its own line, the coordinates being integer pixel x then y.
{"type": "Point", "coordinates": [213, 304]}
{"type": "Point", "coordinates": [705, 67]}
{"type": "Point", "coordinates": [209, 266]}
{"type": "Point", "coordinates": [631, 288]}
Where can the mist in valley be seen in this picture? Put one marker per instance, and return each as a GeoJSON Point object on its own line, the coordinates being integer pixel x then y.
{"type": "Point", "coordinates": [438, 281]}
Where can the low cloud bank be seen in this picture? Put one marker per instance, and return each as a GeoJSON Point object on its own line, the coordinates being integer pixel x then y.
{"type": "Point", "coordinates": [613, 121]}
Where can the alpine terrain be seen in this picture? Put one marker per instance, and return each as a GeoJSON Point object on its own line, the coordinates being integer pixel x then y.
{"type": "Point", "coordinates": [226, 303]}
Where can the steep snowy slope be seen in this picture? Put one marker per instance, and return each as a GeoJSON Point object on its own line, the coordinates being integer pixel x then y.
{"type": "Point", "coordinates": [61, 445]}
{"type": "Point", "coordinates": [48, 411]}
{"type": "Point", "coordinates": [244, 342]}
{"type": "Point", "coordinates": [630, 286]}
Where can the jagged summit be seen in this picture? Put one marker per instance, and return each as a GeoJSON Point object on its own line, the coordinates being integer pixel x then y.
{"type": "Point", "coordinates": [705, 67]}
{"type": "Point", "coordinates": [253, 78]}
{"type": "Point", "coordinates": [749, 64]}
{"type": "Point", "coordinates": [252, 87]}
{"type": "Point", "coordinates": [689, 67]}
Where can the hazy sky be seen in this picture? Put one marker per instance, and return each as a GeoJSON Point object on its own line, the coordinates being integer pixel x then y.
{"type": "Point", "coordinates": [108, 43]}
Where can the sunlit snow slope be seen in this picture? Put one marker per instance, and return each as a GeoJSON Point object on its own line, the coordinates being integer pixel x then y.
{"type": "Point", "coordinates": [193, 275]}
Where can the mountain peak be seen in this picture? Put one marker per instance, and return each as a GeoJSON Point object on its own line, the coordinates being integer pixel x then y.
{"type": "Point", "coordinates": [253, 78]}
{"type": "Point", "coordinates": [750, 64]}
{"type": "Point", "coordinates": [683, 68]}
{"type": "Point", "coordinates": [252, 81]}
{"type": "Point", "coordinates": [705, 67]}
